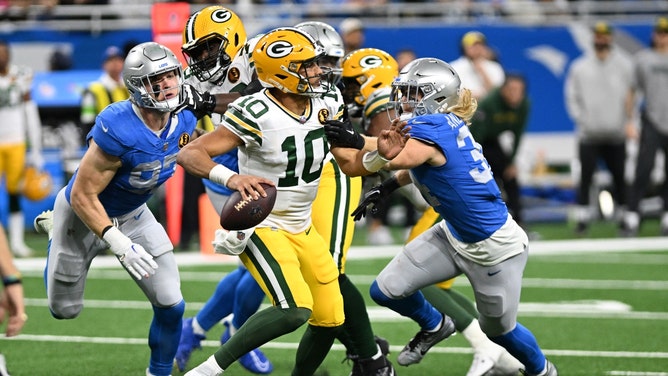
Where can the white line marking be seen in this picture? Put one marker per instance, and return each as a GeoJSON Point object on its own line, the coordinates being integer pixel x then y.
{"type": "Point", "coordinates": [337, 347]}
{"type": "Point", "coordinates": [635, 373]}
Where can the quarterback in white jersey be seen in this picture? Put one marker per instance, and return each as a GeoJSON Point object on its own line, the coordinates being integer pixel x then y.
{"type": "Point", "coordinates": [19, 116]}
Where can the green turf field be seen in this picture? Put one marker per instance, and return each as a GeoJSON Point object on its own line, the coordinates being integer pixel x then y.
{"type": "Point", "coordinates": [597, 308]}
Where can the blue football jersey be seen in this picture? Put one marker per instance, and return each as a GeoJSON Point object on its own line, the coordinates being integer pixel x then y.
{"type": "Point", "coordinates": [148, 160]}
{"type": "Point", "coordinates": [463, 190]}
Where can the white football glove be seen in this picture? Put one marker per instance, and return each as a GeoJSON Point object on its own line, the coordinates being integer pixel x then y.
{"type": "Point", "coordinates": [132, 255]}
{"type": "Point", "coordinates": [231, 242]}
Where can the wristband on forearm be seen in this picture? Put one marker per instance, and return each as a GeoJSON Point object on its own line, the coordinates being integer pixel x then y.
{"type": "Point", "coordinates": [12, 279]}
{"type": "Point", "coordinates": [372, 161]}
{"type": "Point", "coordinates": [220, 174]}
{"type": "Point", "coordinates": [118, 242]}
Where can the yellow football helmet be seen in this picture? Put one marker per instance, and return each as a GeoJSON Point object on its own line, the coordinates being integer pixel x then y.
{"type": "Point", "coordinates": [280, 55]}
{"type": "Point", "coordinates": [212, 37]}
{"type": "Point", "coordinates": [36, 184]}
{"type": "Point", "coordinates": [364, 71]}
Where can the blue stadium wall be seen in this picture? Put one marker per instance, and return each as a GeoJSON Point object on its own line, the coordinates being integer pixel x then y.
{"type": "Point", "coordinates": [543, 54]}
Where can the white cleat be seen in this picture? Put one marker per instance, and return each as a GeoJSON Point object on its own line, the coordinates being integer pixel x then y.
{"type": "Point", "coordinates": [3, 366]}
{"type": "Point", "coordinates": [481, 364]}
{"type": "Point", "coordinates": [21, 250]}
{"type": "Point", "coordinates": [44, 223]}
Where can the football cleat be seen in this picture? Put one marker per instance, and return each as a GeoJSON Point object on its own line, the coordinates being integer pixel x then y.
{"type": "Point", "coordinates": [189, 341]}
{"type": "Point", "coordinates": [254, 361]}
{"type": "Point", "coordinates": [418, 346]}
{"type": "Point", "coordinates": [3, 366]}
{"type": "Point", "coordinates": [43, 223]}
{"type": "Point", "coordinates": [481, 364]}
{"type": "Point", "coordinates": [550, 370]}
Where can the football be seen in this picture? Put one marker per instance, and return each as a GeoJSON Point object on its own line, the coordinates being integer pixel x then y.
{"type": "Point", "coordinates": [240, 214]}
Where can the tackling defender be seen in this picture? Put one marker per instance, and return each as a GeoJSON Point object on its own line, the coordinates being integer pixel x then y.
{"type": "Point", "coordinates": [132, 150]}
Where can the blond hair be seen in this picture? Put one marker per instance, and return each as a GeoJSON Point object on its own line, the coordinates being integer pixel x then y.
{"type": "Point", "coordinates": [465, 107]}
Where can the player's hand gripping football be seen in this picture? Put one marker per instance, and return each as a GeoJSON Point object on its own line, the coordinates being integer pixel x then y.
{"type": "Point", "coordinates": [375, 196]}
{"type": "Point", "coordinates": [200, 104]}
{"type": "Point", "coordinates": [248, 185]}
{"type": "Point", "coordinates": [392, 141]}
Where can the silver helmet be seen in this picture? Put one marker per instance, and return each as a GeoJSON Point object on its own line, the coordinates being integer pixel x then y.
{"type": "Point", "coordinates": [144, 62]}
{"type": "Point", "coordinates": [331, 41]}
{"type": "Point", "coordinates": [425, 86]}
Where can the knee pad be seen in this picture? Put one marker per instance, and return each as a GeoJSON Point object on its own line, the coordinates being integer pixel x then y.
{"type": "Point", "coordinates": [392, 285]}
{"type": "Point", "coordinates": [377, 295]}
{"type": "Point", "coordinates": [64, 311]}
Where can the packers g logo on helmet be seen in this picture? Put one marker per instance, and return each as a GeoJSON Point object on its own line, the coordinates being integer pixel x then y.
{"type": "Point", "coordinates": [279, 48]}
{"type": "Point", "coordinates": [366, 69]}
{"type": "Point", "coordinates": [221, 15]}
{"type": "Point", "coordinates": [370, 61]}
{"type": "Point", "coordinates": [36, 184]}
{"type": "Point", "coordinates": [279, 57]}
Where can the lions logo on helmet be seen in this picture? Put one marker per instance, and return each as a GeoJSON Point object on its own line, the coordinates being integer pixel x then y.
{"type": "Point", "coordinates": [36, 184]}
{"type": "Point", "coordinates": [280, 58]}
{"type": "Point", "coordinates": [212, 37]}
{"type": "Point", "coordinates": [365, 71]}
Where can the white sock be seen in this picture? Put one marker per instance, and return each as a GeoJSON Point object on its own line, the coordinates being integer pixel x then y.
{"type": "Point", "coordinates": [480, 342]}
{"type": "Point", "coordinates": [16, 229]}
{"type": "Point", "coordinates": [209, 368]}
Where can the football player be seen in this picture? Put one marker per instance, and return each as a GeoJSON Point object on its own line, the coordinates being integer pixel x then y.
{"type": "Point", "coordinates": [332, 220]}
{"type": "Point", "coordinates": [131, 152]}
{"type": "Point", "coordinates": [443, 160]}
{"type": "Point", "coordinates": [220, 68]}
{"type": "Point", "coordinates": [280, 136]}
{"type": "Point", "coordinates": [20, 118]}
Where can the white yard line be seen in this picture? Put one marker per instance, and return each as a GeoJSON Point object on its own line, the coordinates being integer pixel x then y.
{"type": "Point", "coordinates": [338, 347]}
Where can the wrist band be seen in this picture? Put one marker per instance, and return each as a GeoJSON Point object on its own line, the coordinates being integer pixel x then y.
{"type": "Point", "coordinates": [220, 174]}
{"type": "Point", "coordinates": [118, 242]}
{"type": "Point", "coordinates": [12, 279]}
{"type": "Point", "coordinates": [372, 161]}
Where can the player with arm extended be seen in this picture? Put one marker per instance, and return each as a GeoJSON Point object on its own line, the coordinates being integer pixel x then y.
{"type": "Point", "coordinates": [368, 74]}
{"type": "Point", "coordinates": [220, 69]}
{"type": "Point", "coordinates": [280, 136]}
{"type": "Point", "coordinates": [132, 150]}
{"type": "Point", "coordinates": [477, 237]}
{"type": "Point", "coordinates": [20, 118]}
{"type": "Point", "coordinates": [331, 218]}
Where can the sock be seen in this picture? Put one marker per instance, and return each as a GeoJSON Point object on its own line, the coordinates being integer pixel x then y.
{"type": "Point", "coordinates": [414, 306]}
{"type": "Point", "coordinates": [443, 301]}
{"type": "Point", "coordinates": [16, 229]}
{"type": "Point", "coordinates": [259, 329]}
{"type": "Point", "coordinates": [356, 334]}
{"type": "Point", "coordinates": [220, 303]}
{"type": "Point", "coordinates": [163, 337]}
{"type": "Point", "coordinates": [313, 348]}
{"type": "Point", "coordinates": [521, 344]}
{"type": "Point", "coordinates": [197, 328]}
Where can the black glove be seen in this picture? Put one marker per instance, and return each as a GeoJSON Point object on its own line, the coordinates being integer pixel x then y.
{"type": "Point", "coordinates": [201, 104]}
{"type": "Point", "coordinates": [375, 196]}
{"type": "Point", "coordinates": [342, 134]}
{"type": "Point", "coordinates": [252, 87]}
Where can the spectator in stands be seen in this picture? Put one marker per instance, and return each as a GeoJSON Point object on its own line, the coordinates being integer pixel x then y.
{"type": "Point", "coordinates": [109, 88]}
{"type": "Point", "coordinates": [652, 82]}
{"type": "Point", "coordinates": [502, 115]}
{"type": "Point", "coordinates": [405, 56]}
{"type": "Point", "coordinates": [12, 306]}
{"type": "Point", "coordinates": [352, 33]}
{"type": "Point", "coordinates": [599, 99]}
{"type": "Point", "coordinates": [60, 60]}
{"type": "Point", "coordinates": [477, 72]}
{"type": "Point", "coordinates": [21, 131]}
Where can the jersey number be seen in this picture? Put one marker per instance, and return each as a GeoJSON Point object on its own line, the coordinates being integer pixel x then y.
{"type": "Point", "coordinates": [307, 174]}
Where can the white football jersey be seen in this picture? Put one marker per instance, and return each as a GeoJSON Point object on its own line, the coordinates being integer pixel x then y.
{"type": "Point", "coordinates": [240, 72]}
{"type": "Point", "coordinates": [286, 148]}
{"type": "Point", "coordinates": [13, 86]}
